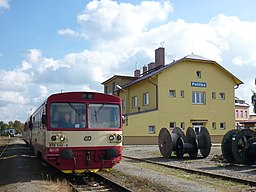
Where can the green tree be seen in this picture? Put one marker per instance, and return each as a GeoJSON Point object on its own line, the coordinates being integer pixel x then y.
{"type": "Point", "coordinates": [18, 126]}
{"type": "Point", "coordinates": [10, 124]}
{"type": "Point", "coordinates": [3, 126]}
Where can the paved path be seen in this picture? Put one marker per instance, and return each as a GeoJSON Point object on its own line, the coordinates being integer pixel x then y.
{"type": "Point", "coordinates": [18, 164]}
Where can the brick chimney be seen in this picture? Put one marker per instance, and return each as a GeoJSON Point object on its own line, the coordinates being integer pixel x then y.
{"type": "Point", "coordinates": [159, 57]}
{"type": "Point", "coordinates": [151, 66]}
{"type": "Point", "coordinates": [137, 73]}
{"type": "Point", "coordinates": [144, 69]}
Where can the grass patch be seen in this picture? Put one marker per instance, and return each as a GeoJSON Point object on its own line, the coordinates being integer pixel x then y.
{"type": "Point", "coordinates": [217, 184]}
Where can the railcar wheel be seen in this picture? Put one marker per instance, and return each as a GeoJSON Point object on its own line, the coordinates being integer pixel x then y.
{"type": "Point", "coordinates": [165, 142]}
{"type": "Point", "coordinates": [204, 142]}
{"type": "Point", "coordinates": [191, 139]}
{"type": "Point", "coordinates": [240, 145]}
{"type": "Point", "coordinates": [226, 145]}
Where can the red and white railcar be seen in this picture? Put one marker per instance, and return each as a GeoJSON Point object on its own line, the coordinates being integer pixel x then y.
{"type": "Point", "coordinates": [77, 132]}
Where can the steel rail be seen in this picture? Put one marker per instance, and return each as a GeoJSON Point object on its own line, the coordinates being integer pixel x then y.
{"type": "Point", "coordinates": [198, 172]}
{"type": "Point", "coordinates": [6, 145]}
{"type": "Point", "coordinates": [99, 182]}
{"type": "Point", "coordinates": [112, 183]}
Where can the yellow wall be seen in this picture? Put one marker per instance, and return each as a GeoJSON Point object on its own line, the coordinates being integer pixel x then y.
{"type": "Point", "coordinates": [178, 77]}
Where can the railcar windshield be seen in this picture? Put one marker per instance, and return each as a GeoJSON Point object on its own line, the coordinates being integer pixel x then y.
{"type": "Point", "coordinates": [104, 116]}
{"type": "Point", "coordinates": [68, 115]}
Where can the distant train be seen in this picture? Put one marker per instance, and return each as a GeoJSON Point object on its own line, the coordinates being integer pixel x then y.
{"type": "Point", "coordinates": [77, 132]}
{"type": "Point", "coordinates": [10, 132]}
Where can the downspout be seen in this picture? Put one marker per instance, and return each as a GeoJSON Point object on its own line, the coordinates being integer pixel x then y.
{"type": "Point", "coordinates": [156, 92]}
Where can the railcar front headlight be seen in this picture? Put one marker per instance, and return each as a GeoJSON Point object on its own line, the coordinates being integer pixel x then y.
{"type": "Point", "coordinates": [62, 137]}
{"type": "Point", "coordinates": [111, 137]}
{"type": "Point", "coordinates": [119, 137]}
{"type": "Point", "coordinates": [54, 138]}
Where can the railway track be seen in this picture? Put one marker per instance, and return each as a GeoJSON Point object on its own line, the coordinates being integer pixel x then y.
{"type": "Point", "coordinates": [4, 147]}
{"type": "Point", "coordinates": [94, 182]}
{"type": "Point", "coordinates": [199, 172]}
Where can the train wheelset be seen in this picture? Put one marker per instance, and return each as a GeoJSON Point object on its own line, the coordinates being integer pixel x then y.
{"type": "Point", "coordinates": [239, 146]}
{"type": "Point", "coordinates": [176, 141]}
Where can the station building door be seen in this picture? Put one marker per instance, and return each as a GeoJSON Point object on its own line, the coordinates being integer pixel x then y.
{"type": "Point", "coordinates": [197, 127]}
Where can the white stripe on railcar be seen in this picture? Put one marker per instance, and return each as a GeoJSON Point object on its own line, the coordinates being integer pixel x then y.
{"type": "Point", "coordinates": [83, 138]}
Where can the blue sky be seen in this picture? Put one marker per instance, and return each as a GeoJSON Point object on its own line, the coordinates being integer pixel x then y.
{"type": "Point", "coordinates": [48, 46]}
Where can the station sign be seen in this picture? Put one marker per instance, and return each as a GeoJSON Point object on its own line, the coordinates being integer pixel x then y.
{"type": "Point", "coordinates": [198, 84]}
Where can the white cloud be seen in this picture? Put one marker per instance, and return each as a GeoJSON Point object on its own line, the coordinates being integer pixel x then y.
{"type": "Point", "coordinates": [124, 19]}
{"type": "Point", "coordinates": [68, 32]}
{"type": "Point", "coordinates": [120, 40]}
{"type": "Point", "coordinates": [238, 61]}
{"type": "Point", "coordinates": [12, 97]}
{"type": "Point", "coordinates": [4, 4]}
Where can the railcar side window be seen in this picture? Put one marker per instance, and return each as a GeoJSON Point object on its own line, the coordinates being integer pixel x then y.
{"type": "Point", "coordinates": [104, 116]}
{"type": "Point", "coordinates": [68, 115]}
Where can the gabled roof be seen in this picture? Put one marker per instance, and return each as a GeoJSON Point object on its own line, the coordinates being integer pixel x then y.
{"type": "Point", "coordinates": [188, 57]}
{"type": "Point", "coordinates": [196, 57]}
{"type": "Point", "coordinates": [120, 77]}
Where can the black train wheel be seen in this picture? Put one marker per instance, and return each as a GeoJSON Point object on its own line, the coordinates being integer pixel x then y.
{"type": "Point", "coordinates": [226, 145]}
{"type": "Point", "coordinates": [240, 144]}
{"type": "Point", "coordinates": [165, 142]}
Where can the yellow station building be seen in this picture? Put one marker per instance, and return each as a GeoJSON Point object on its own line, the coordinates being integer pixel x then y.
{"type": "Point", "coordinates": [190, 92]}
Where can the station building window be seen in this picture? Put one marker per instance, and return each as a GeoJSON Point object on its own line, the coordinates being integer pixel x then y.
{"type": "Point", "coordinates": [146, 98]}
{"type": "Point", "coordinates": [172, 93]}
{"type": "Point", "coordinates": [151, 129]}
{"type": "Point", "coordinates": [198, 97]}
{"type": "Point", "coordinates": [172, 125]}
{"type": "Point", "coordinates": [182, 93]}
{"type": "Point", "coordinates": [198, 74]}
{"type": "Point", "coordinates": [134, 101]}
{"type": "Point", "coordinates": [213, 125]}
{"type": "Point", "coordinates": [123, 104]}
{"type": "Point", "coordinates": [213, 95]}
{"type": "Point", "coordinates": [182, 125]}
{"type": "Point", "coordinates": [222, 125]}
{"type": "Point", "coordinates": [222, 96]}
{"type": "Point", "coordinates": [113, 86]}
{"type": "Point", "coordinates": [106, 89]}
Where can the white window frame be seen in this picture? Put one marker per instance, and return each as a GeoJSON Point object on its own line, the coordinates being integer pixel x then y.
{"type": "Point", "coordinates": [172, 93]}
{"type": "Point", "coordinates": [151, 129]}
{"type": "Point", "coordinates": [174, 125]}
{"type": "Point", "coordinates": [199, 74]}
{"type": "Point", "coordinates": [213, 95]}
{"type": "Point", "coordinates": [134, 101]}
{"type": "Point", "coordinates": [222, 125]}
{"type": "Point", "coordinates": [222, 96]}
{"type": "Point", "coordinates": [182, 94]}
{"type": "Point", "coordinates": [146, 98]}
{"type": "Point", "coordinates": [198, 97]}
{"type": "Point", "coordinates": [213, 125]}
{"type": "Point", "coordinates": [182, 125]}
